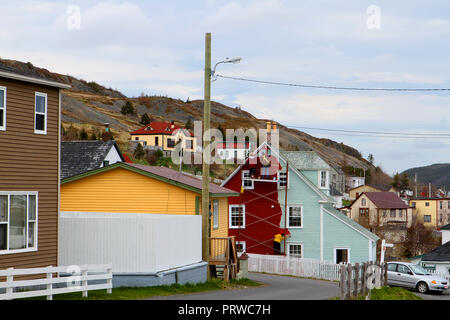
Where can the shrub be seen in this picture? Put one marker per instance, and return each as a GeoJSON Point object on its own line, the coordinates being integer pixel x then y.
{"type": "Point", "coordinates": [127, 108]}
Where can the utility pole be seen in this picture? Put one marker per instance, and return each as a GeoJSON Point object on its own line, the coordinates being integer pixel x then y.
{"type": "Point", "coordinates": [206, 142]}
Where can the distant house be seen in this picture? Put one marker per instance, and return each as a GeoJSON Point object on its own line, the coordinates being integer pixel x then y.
{"type": "Point", "coordinates": [317, 230]}
{"type": "Point", "coordinates": [144, 220]}
{"type": "Point", "coordinates": [355, 192]}
{"type": "Point", "coordinates": [354, 182]}
{"type": "Point", "coordinates": [432, 212]}
{"type": "Point", "coordinates": [385, 214]}
{"type": "Point", "coordinates": [30, 109]}
{"type": "Point", "coordinates": [164, 136]}
{"type": "Point", "coordinates": [233, 151]}
{"type": "Point", "coordinates": [82, 156]}
{"type": "Point", "coordinates": [378, 209]}
{"type": "Point", "coordinates": [438, 260]}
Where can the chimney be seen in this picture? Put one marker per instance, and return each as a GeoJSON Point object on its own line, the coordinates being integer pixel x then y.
{"type": "Point", "coordinates": [172, 124]}
{"type": "Point", "coordinates": [274, 126]}
{"type": "Point", "coordinates": [268, 123]}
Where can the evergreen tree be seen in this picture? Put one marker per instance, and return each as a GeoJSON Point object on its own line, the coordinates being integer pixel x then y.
{"type": "Point", "coordinates": [404, 181]}
{"type": "Point", "coordinates": [139, 151]}
{"type": "Point", "coordinates": [145, 119]}
{"type": "Point", "coordinates": [83, 135]}
{"type": "Point", "coordinates": [127, 108]}
{"type": "Point", "coordinates": [396, 182]}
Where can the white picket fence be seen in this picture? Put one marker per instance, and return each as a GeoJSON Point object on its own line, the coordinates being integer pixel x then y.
{"type": "Point", "coordinates": [70, 279]}
{"type": "Point", "coordinates": [440, 274]}
{"type": "Point", "coordinates": [308, 268]}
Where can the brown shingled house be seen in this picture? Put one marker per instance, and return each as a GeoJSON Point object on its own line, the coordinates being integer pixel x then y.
{"type": "Point", "coordinates": [379, 209]}
{"type": "Point", "coordinates": [29, 169]}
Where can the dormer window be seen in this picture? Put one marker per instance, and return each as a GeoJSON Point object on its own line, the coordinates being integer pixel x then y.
{"type": "Point", "coordinates": [148, 128]}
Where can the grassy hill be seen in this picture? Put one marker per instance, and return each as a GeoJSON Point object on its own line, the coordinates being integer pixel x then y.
{"type": "Point", "coordinates": [89, 105]}
{"type": "Point", "coordinates": [438, 174]}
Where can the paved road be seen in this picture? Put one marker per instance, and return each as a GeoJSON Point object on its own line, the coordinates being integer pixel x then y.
{"type": "Point", "coordinates": [435, 296]}
{"type": "Point", "coordinates": [275, 288]}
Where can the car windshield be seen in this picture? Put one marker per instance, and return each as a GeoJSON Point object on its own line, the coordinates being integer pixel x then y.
{"type": "Point", "coordinates": [418, 270]}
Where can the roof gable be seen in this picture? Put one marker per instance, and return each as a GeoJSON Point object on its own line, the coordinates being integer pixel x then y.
{"type": "Point", "coordinates": [305, 160]}
{"type": "Point", "coordinates": [81, 156]}
{"type": "Point", "coordinates": [441, 253]}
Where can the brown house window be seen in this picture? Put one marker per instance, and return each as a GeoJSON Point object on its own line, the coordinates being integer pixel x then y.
{"type": "Point", "coordinates": [2, 108]}
{"type": "Point", "coordinates": [40, 113]}
{"type": "Point", "coordinates": [18, 221]}
{"type": "Point", "coordinates": [363, 211]}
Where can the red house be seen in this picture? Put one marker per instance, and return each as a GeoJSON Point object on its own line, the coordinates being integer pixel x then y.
{"type": "Point", "coordinates": [254, 216]}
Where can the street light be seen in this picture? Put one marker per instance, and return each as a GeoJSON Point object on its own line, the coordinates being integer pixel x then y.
{"type": "Point", "coordinates": [227, 60]}
{"type": "Point", "coordinates": [206, 141]}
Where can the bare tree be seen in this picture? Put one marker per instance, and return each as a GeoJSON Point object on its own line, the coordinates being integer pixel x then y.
{"type": "Point", "coordinates": [419, 239]}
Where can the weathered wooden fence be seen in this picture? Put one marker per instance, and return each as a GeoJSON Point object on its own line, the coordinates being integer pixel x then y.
{"type": "Point", "coordinates": [308, 268]}
{"type": "Point", "coordinates": [358, 279]}
{"type": "Point", "coordinates": [54, 280]}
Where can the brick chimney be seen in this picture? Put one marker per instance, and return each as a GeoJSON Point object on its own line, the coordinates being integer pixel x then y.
{"type": "Point", "coordinates": [268, 126]}
{"type": "Point", "coordinates": [172, 124]}
{"type": "Point", "coordinates": [274, 126]}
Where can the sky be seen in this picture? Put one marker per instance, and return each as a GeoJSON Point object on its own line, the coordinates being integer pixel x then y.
{"type": "Point", "coordinates": [157, 47]}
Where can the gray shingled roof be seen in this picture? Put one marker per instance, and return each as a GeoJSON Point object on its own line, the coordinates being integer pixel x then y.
{"type": "Point", "coordinates": [82, 156]}
{"type": "Point", "coordinates": [305, 160]}
{"type": "Point", "coordinates": [441, 253]}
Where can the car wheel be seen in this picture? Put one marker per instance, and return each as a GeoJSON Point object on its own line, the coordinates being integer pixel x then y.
{"type": "Point", "coordinates": [422, 287]}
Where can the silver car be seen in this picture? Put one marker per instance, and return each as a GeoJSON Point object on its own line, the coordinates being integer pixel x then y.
{"type": "Point", "coordinates": [409, 275]}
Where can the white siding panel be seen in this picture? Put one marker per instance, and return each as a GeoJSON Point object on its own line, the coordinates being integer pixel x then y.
{"type": "Point", "coordinates": [131, 242]}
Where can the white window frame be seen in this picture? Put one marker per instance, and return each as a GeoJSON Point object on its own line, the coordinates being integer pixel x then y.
{"type": "Point", "coordinates": [278, 179]}
{"type": "Point", "coordinates": [40, 94]}
{"type": "Point", "coordinates": [288, 251]}
{"type": "Point", "coordinates": [301, 216]}
{"type": "Point", "coordinates": [215, 214]}
{"type": "Point", "coordinates": [327, 182]}
{"type": "Point", "coordinates": [230, 226]}
{"type": "Point", "coordinates": [244, 247]}
{"type": "Point", "coordinates": [341, 248]}
{"type": "Point", "coordinates": [36, 219]}
{"type": "Point", "coordinates": [3, 127]}
{"type": "Point", "coordinates": [252, 181]}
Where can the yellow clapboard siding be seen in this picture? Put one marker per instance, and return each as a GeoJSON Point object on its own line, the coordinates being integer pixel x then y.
{"type": "Point", "coordinates": [123, 191]}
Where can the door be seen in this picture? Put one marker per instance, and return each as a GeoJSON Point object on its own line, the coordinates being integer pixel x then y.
{"type": "Point", "coordinates": [156, 141]}
{"type": "Point", "coordinates": [392, 278]}
{"type": "Point", "coordinates": [405, 277]}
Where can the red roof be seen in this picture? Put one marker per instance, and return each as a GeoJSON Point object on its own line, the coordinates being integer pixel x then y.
{"type": "Point", "coordinates": [386, 200]}
{"type": "Point", "coordinates": [156, 127]}
{"type": "Point", "coordinates": [127, 159]}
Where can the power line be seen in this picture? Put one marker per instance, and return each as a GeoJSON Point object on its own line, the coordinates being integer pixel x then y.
{"type": "Point", "coordinates": [329, 87]}
{"type": "Point", "coordinates": [380, 134]}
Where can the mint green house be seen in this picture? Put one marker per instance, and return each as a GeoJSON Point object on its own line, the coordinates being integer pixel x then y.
{"type": "Point", "coordinates": [318, 230]}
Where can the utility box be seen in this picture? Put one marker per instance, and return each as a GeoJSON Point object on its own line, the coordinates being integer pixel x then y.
{"type": "Point", "coordinates": [243, 266]}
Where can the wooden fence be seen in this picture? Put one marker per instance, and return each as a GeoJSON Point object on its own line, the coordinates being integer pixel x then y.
{"type": "Point", "coordinates": [358, 279]}
{"type": "Point", "coordinates": [57, 280]}
{"type": "Point", "coordinates": [308, 268]}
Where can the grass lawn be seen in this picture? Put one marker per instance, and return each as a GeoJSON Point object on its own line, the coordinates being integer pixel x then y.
{"type": "Point", "coordinates": [393, 293]}
{"type": "Point", "coordinates": [136, 293]}
{"type": "Point", "coordinates": [389, 293]}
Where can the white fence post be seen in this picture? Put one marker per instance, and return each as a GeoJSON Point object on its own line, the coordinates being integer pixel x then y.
{"type": "Point", "coordinates": [109, 281]}
{"type": "Point", "coordinates": [50, 284]}
{"type": "Point", "coordinates": [9, 281]}
{"type": "Point", "coordinates": [84, 282]}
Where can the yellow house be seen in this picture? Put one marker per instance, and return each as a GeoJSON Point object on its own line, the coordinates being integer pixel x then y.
{"type": "Point", "coordinates": [355, 192]}
{"type": "Point", "coordinates": [426, 210]}
{"type": "Point", "coordinates": [164, 135]}
{"type": "Point", "coordinates": [133, 188]}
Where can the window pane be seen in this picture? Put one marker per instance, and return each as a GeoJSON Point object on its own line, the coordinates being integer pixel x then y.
{"type": "Point", "coordinates": [31, 233]}
{"type": "Point", "coordinates": [3, 208]}
{"type": "Point", "coordinates": [295, 250]}
{"type": "Point", "coordinates": [40, 122]}
{"type": "Point", "coordinates": [3, 228]}
{"type": "Point", "coordinates": [31, 207]}
{"type": "Point", "coordinates": [40, 104]}
{"type": "Point", "coordinates": [17, 225]}
{"type": "Point", "coordinates": [295, 219]}
{"type": "Point", "coordinates": [216, 214]}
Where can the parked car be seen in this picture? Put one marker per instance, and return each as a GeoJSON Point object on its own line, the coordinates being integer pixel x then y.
{"type": "Point", "coordinates": [409, 275]}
